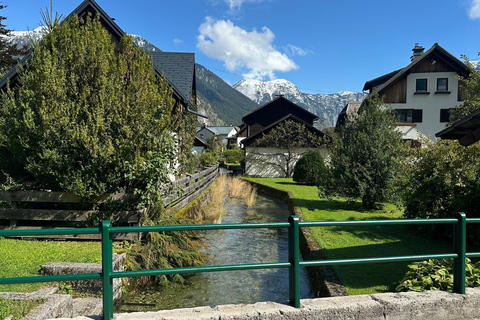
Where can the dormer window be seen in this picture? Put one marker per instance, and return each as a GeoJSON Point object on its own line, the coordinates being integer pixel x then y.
{"type": "Point", "coordinates": [442, 85]}
{"type": "Point", "coordinates": [421, 86]}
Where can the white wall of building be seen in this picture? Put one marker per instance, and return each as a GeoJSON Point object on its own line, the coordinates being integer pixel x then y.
{"type": "Point", "coordinates": [266, 162]}
{"type": "Point", "coordinates": [432, 102]}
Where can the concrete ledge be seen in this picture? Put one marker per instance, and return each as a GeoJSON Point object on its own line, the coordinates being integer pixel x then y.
{"type": "Point", "coordinates": [428, 305]}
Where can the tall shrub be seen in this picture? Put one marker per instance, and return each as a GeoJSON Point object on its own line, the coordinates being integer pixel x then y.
{"type": "Point", "coordinates": [90, 116]}
{"type": "Point", "coordinates": [366, 155]}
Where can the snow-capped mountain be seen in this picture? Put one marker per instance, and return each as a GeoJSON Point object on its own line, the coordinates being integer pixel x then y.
{"type": "Point", "coordinates": [26, 38]}
{"type": "Point", "coordinates": [325, 106]}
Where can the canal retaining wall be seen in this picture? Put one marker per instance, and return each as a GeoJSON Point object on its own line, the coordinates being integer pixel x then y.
{"type": "Point", "coordinates": [324, 281]}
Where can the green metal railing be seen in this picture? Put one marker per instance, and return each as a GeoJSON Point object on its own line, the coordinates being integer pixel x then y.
{"type": "Point", "coordinates": [459, 253]}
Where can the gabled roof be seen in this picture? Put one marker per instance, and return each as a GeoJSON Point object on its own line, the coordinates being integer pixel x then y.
{"type": "Point", "coordinates": [177, 82]}
{"type": "Point", "coordinates": [178, 68]}
{"type": "Point", "coordinates": [398, 74]}
{"type": "Point", "coordinates": [308, 113]}
{"type": "Point", "coordinates": [370, 84]}
{"type": "Point", "coordinates": [465, 130]}
{"type": "Point", "coordinates": [251, 139]}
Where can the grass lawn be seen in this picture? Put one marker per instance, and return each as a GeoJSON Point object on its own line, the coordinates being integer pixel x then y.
{"type": "Point", "coordinates": [17, 308]}
{"type": "Point", "coordinates": [359, 242]}
{"type": "Point", "coordinates": [25, 257]}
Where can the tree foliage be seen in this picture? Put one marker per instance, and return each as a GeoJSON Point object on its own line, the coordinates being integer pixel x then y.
{"type": "Point", "coordinates": [366, 155]}
{"type": "Point", "coordinates": [470, 87]}
{"type": "Point", "coordinates": [9, 52]}
{"type": "Point", "coordinates": [310, 169]}
{"type": "Point", "coordinates": [292, 139]}
{"type": "Point", "coordinates": [90, 116]}
{"type": "Point", "coordinates": [444, 179]}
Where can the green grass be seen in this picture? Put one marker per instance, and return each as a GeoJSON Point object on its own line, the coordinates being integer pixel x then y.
{"type": "Point", "coordinates": [21, 258]}
{"type": "Point", "coordinates": [17, 308]}
{"type": "Point", "coordinates": [360, 241]}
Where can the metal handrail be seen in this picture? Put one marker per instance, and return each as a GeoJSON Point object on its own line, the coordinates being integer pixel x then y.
{"type": "Point", "coordinates": [294, 224]}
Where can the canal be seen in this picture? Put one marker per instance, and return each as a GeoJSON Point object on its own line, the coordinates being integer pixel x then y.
{"type": "Point", "coordinates": [231, 247]}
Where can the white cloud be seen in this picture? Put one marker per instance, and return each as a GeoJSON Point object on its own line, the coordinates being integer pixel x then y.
{"type": "Point", "coordinates": [293, 50]}
{"type": "Point", "coordinates": [240, 49]}
{"type": "Point", "coordinates": [177, 41]}
{"type": "Point", "coordinates": [474, 11]}
{"type": "Point", "coordinates": [237, 4]}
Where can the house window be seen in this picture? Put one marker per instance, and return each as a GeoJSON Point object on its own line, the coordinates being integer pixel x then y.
{"type": "Point", "coordinates": [442, 85]}
{"type": "Point", "coordinates": [409, 115]}
{"type": "Point", "coordinates": [445, 115]}
{"type": "Point", "coordinates": [421, 86]}
{"type": "Point", "coordinates": [201, 136]}
{"type": "Point", "coordinates": [404, 115]}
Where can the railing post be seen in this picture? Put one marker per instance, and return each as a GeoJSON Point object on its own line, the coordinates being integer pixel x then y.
{"type": "Point", "coordinates": [294, 259]}
{"type": "Point", "coordinates": [460, 249]}
{"type": "Point", "coordinates": [107, 268]}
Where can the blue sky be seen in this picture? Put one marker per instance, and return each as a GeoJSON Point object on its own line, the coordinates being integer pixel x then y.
{"type": "Point", "coordinates": [322, 46]}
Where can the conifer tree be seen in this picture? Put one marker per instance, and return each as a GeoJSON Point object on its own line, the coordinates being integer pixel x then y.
{"type": "Point", "coordinates": [9, 53]}
{"type": "Point", "coordinates": [90, 116]}
{"type": "Point", "coordinates": [366, 155]}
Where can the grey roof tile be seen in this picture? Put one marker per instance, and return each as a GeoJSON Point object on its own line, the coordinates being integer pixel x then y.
{"type": "Point", "coordinates": [178, 68]}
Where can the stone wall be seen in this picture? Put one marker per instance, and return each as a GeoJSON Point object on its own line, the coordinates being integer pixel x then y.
{"type": "Point", "coordinates": [92, 286]}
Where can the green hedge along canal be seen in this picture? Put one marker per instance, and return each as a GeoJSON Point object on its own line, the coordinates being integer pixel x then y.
{"type": "Point", "coordinates": [231, 247]}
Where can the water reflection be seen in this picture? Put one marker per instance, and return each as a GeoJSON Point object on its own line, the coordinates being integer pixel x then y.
{"type": "Point", "coordinates": [232, 247]}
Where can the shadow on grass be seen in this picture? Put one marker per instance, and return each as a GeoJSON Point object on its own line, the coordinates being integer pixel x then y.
{"type": "Point", "coordinates": [330, 205]}
{"type": "Point", "coordinates": [386, 275]}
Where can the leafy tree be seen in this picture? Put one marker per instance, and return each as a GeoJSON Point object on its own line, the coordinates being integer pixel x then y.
{"type": "Point", "coordinates": [444, 179]}
{"type": "Point", "coordinates": [9, 53]}
{"type": "Point", "coordinates": [310, 169]}
{"type": "Point", "coordinates": [292, 139]}
{"type": "Point", "coordinates": [215, 144]}
{"type": "Point", "coordinates": [470, 87]}
{"type": "Point", "coordinates": [366, 155]}
{"type": "Point", "coordinates": [90, 116]}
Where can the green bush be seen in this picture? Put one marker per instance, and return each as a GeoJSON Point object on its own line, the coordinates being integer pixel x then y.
{"type": "Point", "coordinates": [442, 180]}
{"type": "Point", "coordinates": [310, 169]}
{"type": "Point", "coordinates": [234, 156]}
{"type": "Point", "coordinates": [437, 275]}
{"type": "Point", "coordinates": [208, 158]}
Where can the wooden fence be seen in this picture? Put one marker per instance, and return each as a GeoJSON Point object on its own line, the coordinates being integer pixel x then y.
{"type": "Point", "coordinates": [43, 209]}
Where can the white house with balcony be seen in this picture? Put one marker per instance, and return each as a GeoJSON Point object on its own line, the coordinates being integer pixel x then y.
{"type": "Point", "coordinates": [423, 92]}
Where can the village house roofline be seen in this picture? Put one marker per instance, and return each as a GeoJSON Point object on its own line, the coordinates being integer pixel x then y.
{"type": "Point", "coordinates": [379, 80]}
{"type": "Point", "coordinates": [466, 130]}
{"type": "Point", "coordinates": [251, 139]}
{"type": "Point", "coordinates": [315, 117]}
{"type": "Point", "coordinates": [461, 68]}
{"type": "Point", "coordinates": [117, 32]}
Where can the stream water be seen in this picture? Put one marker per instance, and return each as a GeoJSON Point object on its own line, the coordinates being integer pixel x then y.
{"type": "Point", "coordinates": [231, 247]}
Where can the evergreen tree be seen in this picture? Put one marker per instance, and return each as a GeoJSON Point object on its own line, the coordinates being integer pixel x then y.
{"type": "Point", "coordinates": [9, 53]}
{"type": "Point", "coordinates": [90, 116]}
{"type": "Point", "coordinates": [366, 155]}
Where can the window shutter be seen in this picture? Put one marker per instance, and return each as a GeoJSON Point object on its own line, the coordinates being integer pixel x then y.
{"type": "Point", "coordinates": [444, 115]}
{"type": "Point", "coordinates": [417, 115]}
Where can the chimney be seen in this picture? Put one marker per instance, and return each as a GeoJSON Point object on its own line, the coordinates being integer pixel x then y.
{"type": "Point", "coordinates": [417, 52]}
